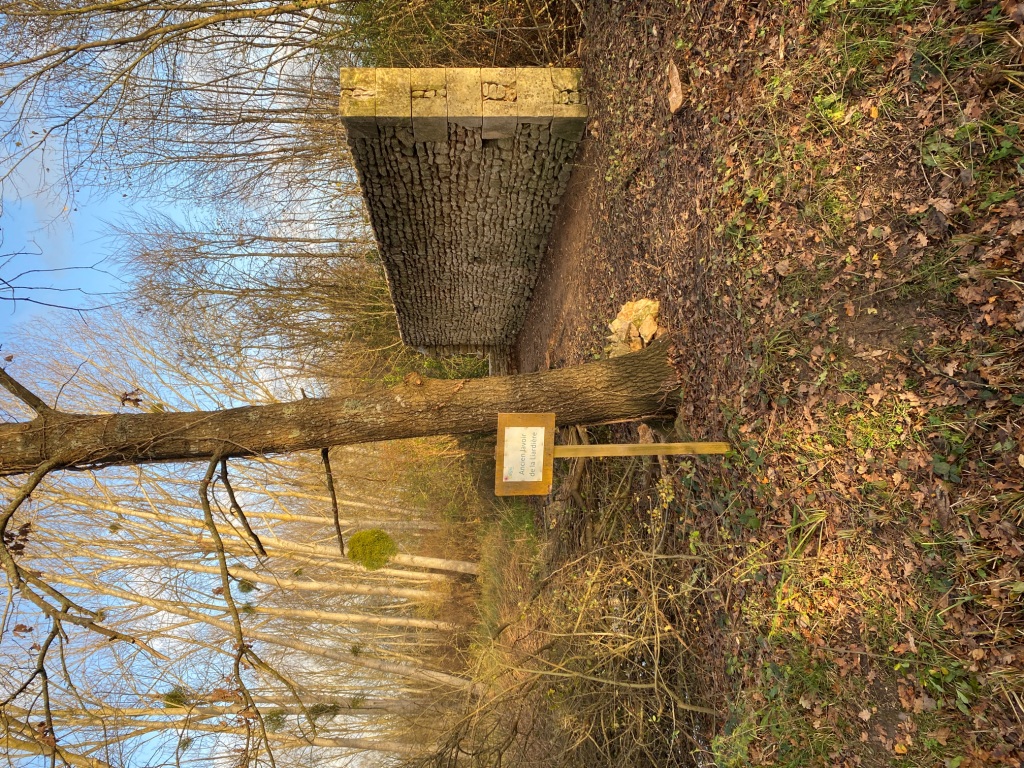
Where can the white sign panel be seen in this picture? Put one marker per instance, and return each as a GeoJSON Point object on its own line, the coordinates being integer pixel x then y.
{"type": "Point", "coordinates": [524, 455]}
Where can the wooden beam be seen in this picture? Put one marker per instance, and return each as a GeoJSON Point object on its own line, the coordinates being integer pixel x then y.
{"type": "Point", "coordinates": [644, 449]}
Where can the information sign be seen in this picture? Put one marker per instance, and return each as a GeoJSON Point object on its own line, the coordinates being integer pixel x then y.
{"type": "Point", "coordinates": [526, 451]}
{"type": "Point", "coordinates": [525, 454]}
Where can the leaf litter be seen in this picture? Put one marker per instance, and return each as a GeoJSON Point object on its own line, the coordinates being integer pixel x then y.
{"type": "Point", "coordinates": [832, 228]}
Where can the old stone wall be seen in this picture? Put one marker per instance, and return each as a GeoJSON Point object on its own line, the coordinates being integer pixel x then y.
{"type": "Point", "coordinates": [462, 172]}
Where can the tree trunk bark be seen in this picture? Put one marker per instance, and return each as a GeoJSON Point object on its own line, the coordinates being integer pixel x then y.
{"type": "Point", "coordinates": [627, 387]}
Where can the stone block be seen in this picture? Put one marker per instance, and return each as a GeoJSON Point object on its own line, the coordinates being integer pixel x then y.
{"type": "Point", "coordinates": [358, 92]}
{"type": "Point", "coordinates": [498, 93]}
{"type": "Point", "coordinates": [567, 80]}
{"type": "Point", "coordinates": [569, 128]}
{"type": "Point", "coordinates": [465, 100]}
{"type": "Point", "coordinates": [394, 97]}
{"type": "Point", "coordinates": [429, 104]}
{"type": "Point", "coordinates": [569, 112]}
{"type": "Point", "coordinates": [361, 127]}
{"type": "Point", "coordinates": [358, 104]}
{"type": "Point", "coordinates": [535, 95]}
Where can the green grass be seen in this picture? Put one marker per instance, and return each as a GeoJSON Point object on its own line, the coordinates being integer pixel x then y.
{"type": "Point", "coordinates": [508, 563]}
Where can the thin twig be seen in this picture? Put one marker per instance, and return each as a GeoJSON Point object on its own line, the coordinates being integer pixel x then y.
{"type": "Point", "coordinates": [26, 491]}
{"type": "Point", "coordinates": [325, 454]}
{"type": "Point", "coordinates": [236, 509]}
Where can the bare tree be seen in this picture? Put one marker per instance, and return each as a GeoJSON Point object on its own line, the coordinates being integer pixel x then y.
{"type": "Point", "coordinates": [175, 568]}
{"type": "Point", "coordinates": [303, 302]}
{"type": "Point", "coordinates": [94, 76]}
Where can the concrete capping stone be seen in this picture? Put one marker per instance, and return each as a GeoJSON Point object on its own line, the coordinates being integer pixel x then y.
{"type": "Point", "coordinates": [358, 92]}
{"type": "Point", "coordinates": [569, 128]}
{"type": "Point", "coordinates": [358, 101]}
{"type": "Point", "coordinates": [429, 104]}
{"type": "Point", "coordinates": [465, 100]}
{"type": "Point", "coordinates": [500, 110]}
{"type": "Point", "coordinates": [362, 127]}
{"type": "Point", "coordinates": [568, 80]}
{"type": "Point", "coordinates": [394, 97]}
{"type": "Point", "coordinates": [496, 99]}
{"type": "Point", "coordinates": [535, 95]}
{"type": "Point", "coordinates": [569, 112]}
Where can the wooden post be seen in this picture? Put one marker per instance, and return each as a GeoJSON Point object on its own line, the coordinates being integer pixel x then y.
{"type": "Point", "coordinates": [641, 449]}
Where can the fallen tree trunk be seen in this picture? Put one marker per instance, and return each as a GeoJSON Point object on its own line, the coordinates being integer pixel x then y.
{"type": "Point", "coordinates": [627, 387]}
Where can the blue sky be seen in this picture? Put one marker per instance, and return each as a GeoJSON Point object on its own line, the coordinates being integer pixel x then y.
{"type": "Point", "coordinates": [48, 237]}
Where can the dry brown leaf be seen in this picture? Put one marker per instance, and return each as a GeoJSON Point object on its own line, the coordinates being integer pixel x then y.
{"type": "Point", "coordinates": [942, 204]}
{"type": "Point", "coordinates": [675, 91]}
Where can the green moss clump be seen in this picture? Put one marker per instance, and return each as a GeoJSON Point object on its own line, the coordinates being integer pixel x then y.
{"type": "Point", "coordinates": [178, 696]}
{"type": "Point", "coordinates": [274, 720]}
{"type": "Point", "coordinates": [319, 711]}
{"type": "Point", "coordinates": [371, 548]}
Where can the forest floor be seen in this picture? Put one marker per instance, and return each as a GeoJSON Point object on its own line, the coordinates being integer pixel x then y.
{"type": "Point", "coordinates": [833, 227]}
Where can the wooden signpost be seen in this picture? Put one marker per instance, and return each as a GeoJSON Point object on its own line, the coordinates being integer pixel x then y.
{"type": "Point", "coordinates": [526, 452]}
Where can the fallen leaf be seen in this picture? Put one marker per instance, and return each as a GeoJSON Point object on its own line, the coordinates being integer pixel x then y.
{"type": "Point", "coordinates": [864, 714]}
{"type": "Point", "coordinates": [941, 735]}
{"type": "Point", "coordinates": [784, 267]}
{"type": "Point", "coordinates": [942, 204]}
{"type": "Point", "coordinates": [675, 92]}
{"type": "Point", "coordinates": [924, 703]}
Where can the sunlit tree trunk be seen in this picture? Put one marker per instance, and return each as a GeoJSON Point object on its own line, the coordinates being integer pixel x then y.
{"type": "Point", "coordinates": [631, 386]}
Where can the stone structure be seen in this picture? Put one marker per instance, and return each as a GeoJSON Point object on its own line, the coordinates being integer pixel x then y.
{"type": "Point", "coordinates": [462, 171]}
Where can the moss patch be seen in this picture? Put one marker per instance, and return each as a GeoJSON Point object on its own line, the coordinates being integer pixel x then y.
{"type": "Point", "coordinates": [372, 548]}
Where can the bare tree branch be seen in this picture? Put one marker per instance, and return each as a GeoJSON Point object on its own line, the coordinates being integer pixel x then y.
{"type": "Point", "coordinates": [236, 509]}
{"type": "Point", "coordinates": [22, 392]}
{"type": "Point", "coordinates": [242, 649]}
{"type": "Point", "coordinates": [325, 454]}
